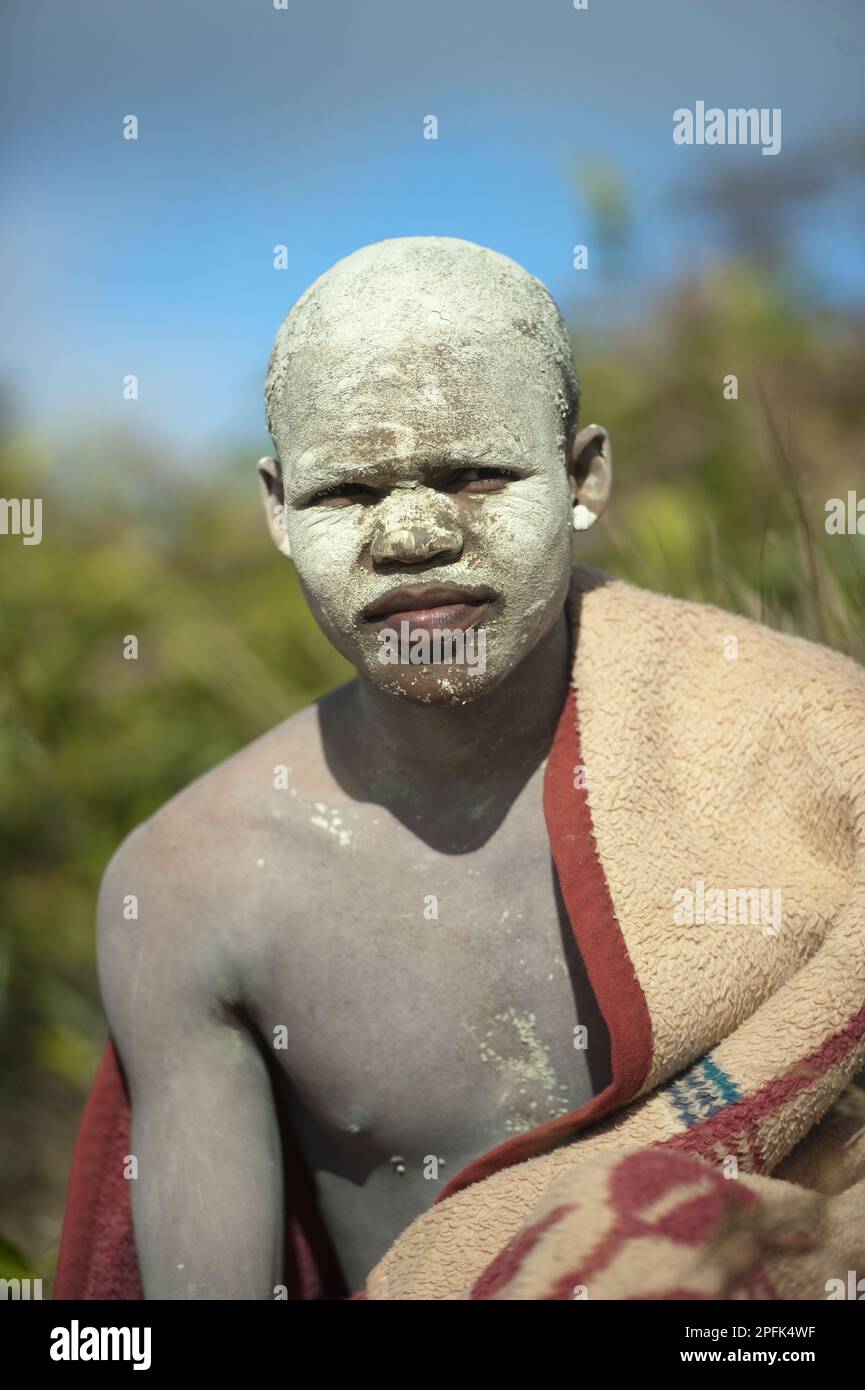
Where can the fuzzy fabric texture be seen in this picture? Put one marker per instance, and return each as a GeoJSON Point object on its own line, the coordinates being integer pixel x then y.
{"type": "Point", "coordinates": [722, 774]}
{"type": "Point", "coordinates": [654, 1224]}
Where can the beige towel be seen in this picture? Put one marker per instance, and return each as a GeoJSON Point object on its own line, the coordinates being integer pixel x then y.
{"type": "Point", "coordinates": [720, 909]}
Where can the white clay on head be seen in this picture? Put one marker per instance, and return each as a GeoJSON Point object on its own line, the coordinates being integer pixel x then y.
{"type": "Point", "coordinates": [365, 305]}
{"type": "Point", "coordinates": [411, 352]}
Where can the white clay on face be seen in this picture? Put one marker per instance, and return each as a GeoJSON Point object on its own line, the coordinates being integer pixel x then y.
{"type": "Point", "coordinates": [418, 349]}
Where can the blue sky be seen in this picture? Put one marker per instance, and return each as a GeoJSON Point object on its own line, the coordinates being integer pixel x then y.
{"type": "Point", "coordinates": [304, 127]}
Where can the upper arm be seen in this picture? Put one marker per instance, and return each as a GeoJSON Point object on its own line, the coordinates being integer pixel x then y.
{"type": "Point", "coordinates": [207, 1199]}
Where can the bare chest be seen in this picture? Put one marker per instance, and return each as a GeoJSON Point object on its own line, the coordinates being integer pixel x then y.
{"type": "Point", "coordinates": [422, 1007]}
{"type": "Point", "coordinates": [422, 1002]}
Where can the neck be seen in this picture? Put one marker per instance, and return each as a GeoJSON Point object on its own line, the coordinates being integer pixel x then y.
{"type": "Point", "coordinates": [457, 766]}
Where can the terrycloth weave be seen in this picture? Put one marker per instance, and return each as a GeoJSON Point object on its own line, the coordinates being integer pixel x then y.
{"type": "Point", "coordinates": [724, 765]}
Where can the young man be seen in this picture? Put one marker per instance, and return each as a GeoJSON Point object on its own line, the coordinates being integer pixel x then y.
{"type": "Point", "coordinates": [356, 955]}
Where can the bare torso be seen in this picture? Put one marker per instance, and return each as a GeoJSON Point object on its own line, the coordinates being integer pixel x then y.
{"type": "Point", "coordinates": [419, 1002]}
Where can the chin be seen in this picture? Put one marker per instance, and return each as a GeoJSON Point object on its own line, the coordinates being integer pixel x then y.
{"type": "Point", "coordinates": [442, 686]}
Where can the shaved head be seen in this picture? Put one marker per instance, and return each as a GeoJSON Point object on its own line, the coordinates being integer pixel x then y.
{"type": "Point", "coordinates": [423, 402]}
{"type": "Point", "coordinates": [476, 305]}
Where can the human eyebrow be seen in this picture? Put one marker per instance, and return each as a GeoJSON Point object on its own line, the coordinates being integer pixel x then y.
{"type": "Point", "coordinates": [480, 456]}
{"type": "Point", "coordinates": [330, 478]}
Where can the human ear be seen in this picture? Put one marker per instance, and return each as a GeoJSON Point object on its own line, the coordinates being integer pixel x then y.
{"type": "Point", "coordinates": [273, 497]}
{"type": "Point", "coordinates": [590, 475]}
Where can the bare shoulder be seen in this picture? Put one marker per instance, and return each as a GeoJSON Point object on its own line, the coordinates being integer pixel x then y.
{"type": "Point", "coordinates": [186, 885]}
{"type": "Point", "coordinates": [197, 837]}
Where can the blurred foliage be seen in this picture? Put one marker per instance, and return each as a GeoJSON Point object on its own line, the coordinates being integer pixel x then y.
{"type": "Point", "coordinates": [91, 743]}
{"type": "Point", "coordinates": [718, 500]}
{"type": "Point", "coordinates": [724, 500]}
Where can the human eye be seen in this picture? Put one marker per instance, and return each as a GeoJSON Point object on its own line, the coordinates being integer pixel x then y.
{"type": "Point", "coordinates": [341, 494]}
{"type": "Point", "coordinates": [479, 480]}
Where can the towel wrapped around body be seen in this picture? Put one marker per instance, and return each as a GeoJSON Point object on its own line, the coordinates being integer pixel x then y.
{"type": "Point", "coordinates": [705, 801]}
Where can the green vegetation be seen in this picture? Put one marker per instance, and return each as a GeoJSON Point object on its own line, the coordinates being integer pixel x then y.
{"type": "Point", "coordinates": [719, 500]}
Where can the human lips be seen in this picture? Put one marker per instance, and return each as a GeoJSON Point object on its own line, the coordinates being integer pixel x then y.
{"type": "Point", "coordinates": [430, 606]}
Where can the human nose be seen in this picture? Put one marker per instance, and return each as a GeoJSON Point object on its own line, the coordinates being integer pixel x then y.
{"type": "Point", "coordinates": [405, 537]}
